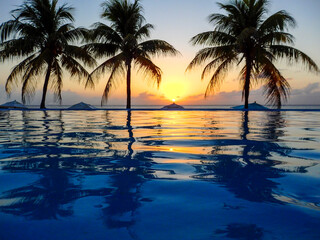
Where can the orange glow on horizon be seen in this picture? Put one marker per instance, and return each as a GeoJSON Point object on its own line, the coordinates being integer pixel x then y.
{"type": "Point", "coordinates": [174, 90]}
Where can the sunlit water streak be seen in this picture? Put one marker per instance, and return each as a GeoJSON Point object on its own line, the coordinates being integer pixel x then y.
{"type": "Point", "coordinates": [159, 175]}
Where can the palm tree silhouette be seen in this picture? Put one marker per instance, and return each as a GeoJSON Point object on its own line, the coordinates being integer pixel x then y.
{"type": "Point", "coordinates": [245, 35]}
{"type": "Point", "coordinates": [123, 41]}
{"type": "Point", "coordinates": [42, 32]}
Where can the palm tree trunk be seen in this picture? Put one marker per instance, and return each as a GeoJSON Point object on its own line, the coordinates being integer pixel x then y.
{"type": "Point", "coordinates": [45, 86]}
{"type": "Point", "coordinates": [247, 82]}
{"type": "Point", "coordinates": [129, 84]}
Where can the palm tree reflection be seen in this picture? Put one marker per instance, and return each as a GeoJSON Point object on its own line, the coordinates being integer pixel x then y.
{"type": "Point", "coordinates": [61, 172]}
{"type": "Point", "coordinates": [51, 196]}
{"type": "Point", "coordinates": [134, 170]}
{"type": "Point", "coordinates": [48, 198]}
{"type": "Point", "coordinates": [249, 172]}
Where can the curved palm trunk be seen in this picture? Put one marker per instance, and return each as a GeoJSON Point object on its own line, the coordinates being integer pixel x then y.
{"type": "Point", "coordinates": [247, 82]}
{"type": "Point", "coordinates": [129, 84]}
{"type": "Point", "coordinates": [45, 86]}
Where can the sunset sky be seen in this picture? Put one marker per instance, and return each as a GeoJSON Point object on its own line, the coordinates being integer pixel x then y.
{"type": "Point", "coordinates": [176, 21]}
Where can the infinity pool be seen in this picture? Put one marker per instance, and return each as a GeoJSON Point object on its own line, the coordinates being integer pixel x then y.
{"type": "Point", "coordinates": [194, 175]}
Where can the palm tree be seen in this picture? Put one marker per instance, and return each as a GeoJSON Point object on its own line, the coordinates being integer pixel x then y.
{"type": "Point", "coordinates": [41, 33]}
{"type": "Point", "coordinates": [246, 35]}
{"type": "Point", "coordinates": [123, 43]}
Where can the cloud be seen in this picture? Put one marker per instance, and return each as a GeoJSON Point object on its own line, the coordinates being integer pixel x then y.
{"type": "Point", "coordinates": [311, 88]}
{"type": "Point", "coordinates": [304, 96]}
{"type": "Point", "coordinates": [224, 98]}
{"type": "Point", "coordinates": [146, 98]}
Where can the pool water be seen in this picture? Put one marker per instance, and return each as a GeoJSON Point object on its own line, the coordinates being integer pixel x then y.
{"type": "Point", "coordinates": [194, 175]}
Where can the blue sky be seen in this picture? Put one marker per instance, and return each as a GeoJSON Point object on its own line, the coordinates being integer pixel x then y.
{"type": "Point", "coordinates": [176, 21]}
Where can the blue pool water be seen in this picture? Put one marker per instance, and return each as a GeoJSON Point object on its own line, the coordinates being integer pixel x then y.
{"type": "Point", "coordinates": [159, 175]}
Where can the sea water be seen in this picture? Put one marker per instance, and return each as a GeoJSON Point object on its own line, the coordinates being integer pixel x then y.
{"type": "Point", "coordinates": [194, 175]}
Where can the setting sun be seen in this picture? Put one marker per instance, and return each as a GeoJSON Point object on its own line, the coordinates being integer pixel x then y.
{"type": "Point", "coordinates": [173, 90]}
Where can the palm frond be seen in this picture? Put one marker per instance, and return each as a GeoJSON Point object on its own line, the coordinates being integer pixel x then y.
{"type": "Point", "coordinates": [34, 68]}
{"type": "Point", "coordinates": [64, 13]}
{"type": "Point", "coordinates": [294, 55]}
{"type": "Point", "coordinates": [144, 31]}
{"type": "Point", "coordinates": [108, 65]}
{"type": "Point", "coordinates": [16, 72]}
{"type": "Point", "coordinates": [213, 38]}
{"type": "Point", "coordinates": [80, 53]}
{"type": "Point", "coordinates": [211, 53]}
{"type": "Point", "coordinates": [16, 48]}
{"type": "Point", "coordinates": [70, 34]}
{"type": "Point", "coordinates": [157, 48]}
{"type": "Point", "coordinates": [102, 33]}
{"type": "Point", "coordinates": [27, 90]}
{"type": "Point", "coordinates": [213, 64]}
{"type": "Point", "coordinates": [102, 49]}
{"type": "Point", "coordinates": [277, 88]}
{"type": "Point", "coordinates": [222, 22]}
{"type": "Point", "coordinates": [8, 29]}
{"type": "Point", "coordinates": [278, 21]}
{"type": "Point", "coordinates": [74, 67]}
{"type": "Point", "coordinates": [57, 83]}
{"type": "Point", "coordinates": [126, 17]}
{"type": "Point", "coordinates": [276, 38]}
{"type": "Point", "coordinates": [148, 68]}
{"type": "Point", "coordinates": [118, 69]}
{"type": "Point", "coordinates": [219, 73]}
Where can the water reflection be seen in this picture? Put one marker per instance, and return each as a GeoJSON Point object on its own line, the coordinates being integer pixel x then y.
{"type": "Point", "coordinates": [249, 173]}
{"type": "Point", "coordinates": [108, 159]}
{"type": "Point", "coordinates": [129, 173]}
{"type": "Point", "coordinates": [52, 195]}
{"type": "Point", "coordinates": [60, 170]}
{"type": "Point", "coordinates": [241, 231]}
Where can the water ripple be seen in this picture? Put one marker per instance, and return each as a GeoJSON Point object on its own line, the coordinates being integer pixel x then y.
{"type": "Point", "coordinates": [123, 166]}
